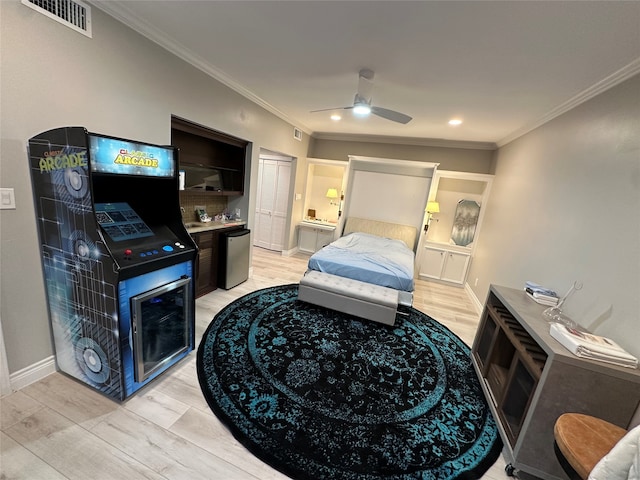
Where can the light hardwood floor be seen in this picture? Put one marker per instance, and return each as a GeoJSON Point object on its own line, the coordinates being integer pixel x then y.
{"type": "Point", "coordinates": [59, 428]}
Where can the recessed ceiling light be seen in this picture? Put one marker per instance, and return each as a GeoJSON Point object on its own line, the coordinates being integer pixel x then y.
{"type": "Point", "coordinates": [455, 122]}
{"type": "Point", "coordinates": [335, 117]}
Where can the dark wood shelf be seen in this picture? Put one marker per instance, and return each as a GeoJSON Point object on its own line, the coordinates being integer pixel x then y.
{"type": "Point", "coordinates": [205, 148]}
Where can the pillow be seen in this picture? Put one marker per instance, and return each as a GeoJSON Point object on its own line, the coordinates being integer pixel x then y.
{"type": "Point", "coordinates": [622, 462]}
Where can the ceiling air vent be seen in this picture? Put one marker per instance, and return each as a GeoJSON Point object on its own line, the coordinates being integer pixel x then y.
{"type": "Point", "coordinates": [72, 13]}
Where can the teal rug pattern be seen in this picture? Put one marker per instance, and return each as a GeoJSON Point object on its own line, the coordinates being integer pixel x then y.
{"type": "Point", "coordinates": [318, 394]}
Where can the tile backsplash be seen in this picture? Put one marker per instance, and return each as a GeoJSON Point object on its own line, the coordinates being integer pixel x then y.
{"type": "Point", "coordinates": [214, 204]}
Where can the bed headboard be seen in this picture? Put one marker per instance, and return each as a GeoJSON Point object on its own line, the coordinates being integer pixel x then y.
{"type": "Point", "coordinates": [406, 233]}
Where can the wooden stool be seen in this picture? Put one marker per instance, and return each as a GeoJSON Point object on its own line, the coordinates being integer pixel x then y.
{"type": "Point", "coordinates": [582, 440]}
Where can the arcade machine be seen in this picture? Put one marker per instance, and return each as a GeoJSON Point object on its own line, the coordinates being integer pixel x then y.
{"type": "Point", "coordinates": [118, 262]}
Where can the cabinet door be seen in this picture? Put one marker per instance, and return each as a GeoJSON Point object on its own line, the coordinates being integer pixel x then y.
{"type": "Point", "coordinates": [518, 393]}
{"type": "Point", "coordinates": [432, 263]}
{"type": "Point", "coordinates": [206, 270]}
{"type": "Point", "coordinates": [307, 238]}
{"type": "Point", "coordinates": [324, 237]}
{"type": "Point", "coordinates": [484, 341]}
{"type": "Point", "coordinates": [455, 267]}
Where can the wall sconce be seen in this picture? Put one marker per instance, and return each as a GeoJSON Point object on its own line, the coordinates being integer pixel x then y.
{"type": "Point", "coordinates": [331, 194]}
{"type": "Point", "coordinates": [432, 207]}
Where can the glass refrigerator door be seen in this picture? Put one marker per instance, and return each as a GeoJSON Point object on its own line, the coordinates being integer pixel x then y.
{"type": "Point", "coordinates": [161, 328]}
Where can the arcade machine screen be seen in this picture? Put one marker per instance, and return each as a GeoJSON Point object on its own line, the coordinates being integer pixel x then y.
{"type": "Point", "coordinates": [121, 222]}
{"type": "Point", "coordinates": [120, 157]}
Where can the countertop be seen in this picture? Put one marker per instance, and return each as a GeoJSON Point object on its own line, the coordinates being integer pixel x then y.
{"type": "Point", "coordinates": [447, 246]}
{"type": "Point", "coordinates": [197, 227]}
{"type": "Point", "coordinates": [318, 223]}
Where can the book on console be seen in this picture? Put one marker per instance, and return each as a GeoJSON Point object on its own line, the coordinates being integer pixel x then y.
{"type": "Point", "coordinates": [538, 294]}
{"type": "Point", "coordinates": [542, 299]}
{"type": "Point", "coordinates": [594, 347]}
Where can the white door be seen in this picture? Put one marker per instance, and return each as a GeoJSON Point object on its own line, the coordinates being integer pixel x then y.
{"type": "Point", "coordinates": [307, 238]}
{"type": "Point", "coordinates": [432, 263]}
{"type": "Point", "coordinates": [325, 237]}
{"type": "Point", "coordinates": [272, 203]}
{"type": "Point", "coordinates": [455, 270]}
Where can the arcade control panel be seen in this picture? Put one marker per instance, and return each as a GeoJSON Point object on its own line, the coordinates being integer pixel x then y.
{"type": "Point", "coordinates": [131, 240]}
{"type": "Point", "coordinates": [146, 251]}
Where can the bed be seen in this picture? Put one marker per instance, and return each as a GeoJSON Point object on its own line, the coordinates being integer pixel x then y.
{"type": "Point", "coordinates": [368, 272]}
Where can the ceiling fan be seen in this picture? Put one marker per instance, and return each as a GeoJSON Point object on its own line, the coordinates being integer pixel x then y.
{"type": "Point", "coordinates": [362, 101]}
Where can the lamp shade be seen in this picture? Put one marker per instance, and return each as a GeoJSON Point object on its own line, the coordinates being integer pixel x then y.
{"type": "Point", "coordinates": [432, 207]}
{"type": "Point", "coordinates": [332, 193]}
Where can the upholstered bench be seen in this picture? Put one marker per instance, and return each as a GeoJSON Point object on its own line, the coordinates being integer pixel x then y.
{"type": "Point", "coordinates": [354, 297]}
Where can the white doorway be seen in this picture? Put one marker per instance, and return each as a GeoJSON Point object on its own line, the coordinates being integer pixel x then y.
{"type": "Point", "coordinates": [272, 205]}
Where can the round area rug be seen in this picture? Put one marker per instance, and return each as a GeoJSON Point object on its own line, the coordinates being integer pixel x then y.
{"type": "Point", "coordinates": [319, 394]}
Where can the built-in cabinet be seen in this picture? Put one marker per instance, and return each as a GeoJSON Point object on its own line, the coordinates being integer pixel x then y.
{"type": "Point", "coordinates": [530, 379]}
{"type": "Point", "coordinates": [322, 176]}
{"type": "Point", "coordinates": [442, 263]}
{"type": "Point", "coordinates": [312, 238]}
{"type": "Point", "coordinates": [439, 257]}
{"type": "Point", "coordinates": [206, 153]}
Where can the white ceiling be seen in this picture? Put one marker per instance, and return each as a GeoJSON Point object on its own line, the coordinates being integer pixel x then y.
{"type": "Point", "coordinates": [502, 67]}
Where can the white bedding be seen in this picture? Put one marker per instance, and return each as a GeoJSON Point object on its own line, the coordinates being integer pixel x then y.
{"type": "Point", "coordinates": [622, 462]}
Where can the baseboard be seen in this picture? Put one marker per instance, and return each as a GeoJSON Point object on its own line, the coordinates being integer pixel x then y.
{"type": "Point", "coordinates": [476, 303]}
{"type": "Point", "coordinates": [32, 373]}
{"type": "Point", "coordinates": [289, 253]}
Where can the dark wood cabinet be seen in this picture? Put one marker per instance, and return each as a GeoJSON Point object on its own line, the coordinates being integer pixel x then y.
{"type": "Point", "coordinates": [530, 379]}
{"type": "Point", "coordinates": [207, 264]}
{"type": "Point", "coordinates": [203, 148]}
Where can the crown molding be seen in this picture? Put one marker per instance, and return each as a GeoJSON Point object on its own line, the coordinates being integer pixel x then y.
{"type": "Point", "coordinates": [128, 18]}
{"type": "Point", "coordinates": [603, 85]}
{"type": "Point", "coordinates": [422, 142]}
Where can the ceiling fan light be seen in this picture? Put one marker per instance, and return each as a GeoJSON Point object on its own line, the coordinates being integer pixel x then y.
{"type": "Point", "coordinates": [335, 117]}
{"type": "Point", "coordinates": [362, 109]}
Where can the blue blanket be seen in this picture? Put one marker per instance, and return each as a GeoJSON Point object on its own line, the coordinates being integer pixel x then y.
{"type": "Point", "coordinates": [368, 258]}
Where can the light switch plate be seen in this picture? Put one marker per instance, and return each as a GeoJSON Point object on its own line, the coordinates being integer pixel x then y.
{"type": "Point", "coordinates": [7, 199]}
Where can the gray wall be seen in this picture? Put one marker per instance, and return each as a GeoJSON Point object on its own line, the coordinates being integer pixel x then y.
{"type": "Point", "coordinates": [459, 159]}
{"type": "Point", "coordinates": [116, 83]}
{"type": "Point", "coordinates": [565, 206]}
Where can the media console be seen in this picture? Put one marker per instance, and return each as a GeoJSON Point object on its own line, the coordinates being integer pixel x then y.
{"type": "Point", "coordinates": [530, 379]}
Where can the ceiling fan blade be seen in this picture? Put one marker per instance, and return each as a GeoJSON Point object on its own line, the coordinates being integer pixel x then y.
{"type": "Point", "coordinates": [391, 115]}
{"type": "Point", "coordinates": [329, 109]}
